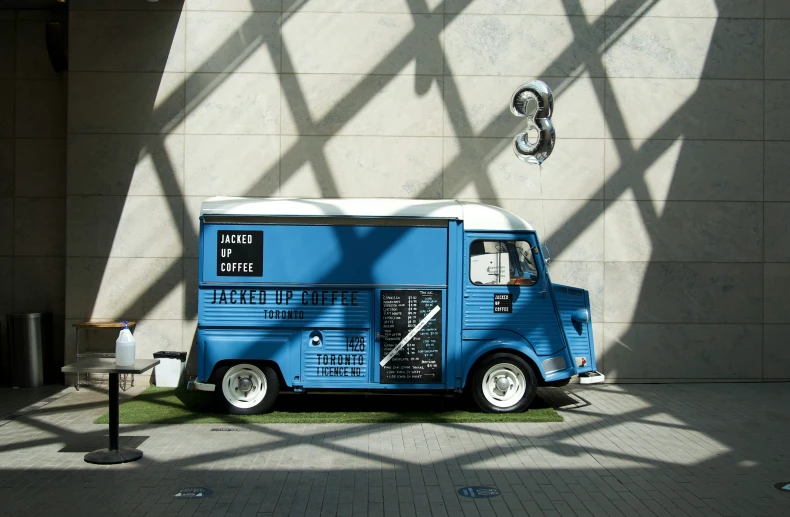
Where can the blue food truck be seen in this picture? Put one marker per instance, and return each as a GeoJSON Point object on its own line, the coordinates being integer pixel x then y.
{"type": "Point", "coordinates": [381, 294]}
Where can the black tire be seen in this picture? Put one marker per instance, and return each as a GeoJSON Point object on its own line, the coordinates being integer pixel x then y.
{"type": "Point", "coordinates": [513, 368]}
{"type": "Point", "coordinates": [258, 399]}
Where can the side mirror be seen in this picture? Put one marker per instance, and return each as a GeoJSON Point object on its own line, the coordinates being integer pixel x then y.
{"type": "Point", "coordinates": [580, 316]}
{"type": "Point", "coordinates": [546, 254]}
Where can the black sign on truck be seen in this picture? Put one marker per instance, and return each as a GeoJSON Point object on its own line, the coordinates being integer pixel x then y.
{"type": "Point", "coordinates": [503, 303]}
{"type": "Point", "coordinates": [239, 253]}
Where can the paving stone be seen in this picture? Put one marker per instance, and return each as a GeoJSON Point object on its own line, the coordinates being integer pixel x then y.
{"type": "Point", "coordinates": [622, 450]}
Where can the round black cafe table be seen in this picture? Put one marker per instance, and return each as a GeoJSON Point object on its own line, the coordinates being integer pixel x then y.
{"type": "Point", "coordinates": [113, 454]}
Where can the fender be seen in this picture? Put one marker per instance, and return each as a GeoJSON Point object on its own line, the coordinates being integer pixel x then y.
{"type": "Point", "coordinates": [278, 346]}
{"type": "Point", "coordinates": [477, 343]}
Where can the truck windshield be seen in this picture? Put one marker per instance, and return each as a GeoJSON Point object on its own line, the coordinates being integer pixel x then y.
{"type": "Point", "coordinates": [502, 262]}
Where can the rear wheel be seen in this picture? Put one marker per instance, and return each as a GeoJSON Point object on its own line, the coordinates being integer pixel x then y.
{"type": "Point", "coordinates": [503, 383]}
{"type": "Point", "coordinates": [246, 389]}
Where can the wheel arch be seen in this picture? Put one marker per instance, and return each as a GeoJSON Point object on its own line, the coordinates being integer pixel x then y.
{"type": "Point", "coordinates": [500, 347]}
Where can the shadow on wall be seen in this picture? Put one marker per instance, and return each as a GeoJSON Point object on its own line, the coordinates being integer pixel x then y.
{"type": "Point", "coordinates": [124, 151]}
{"type": "Point", "coordinates": [32, 176]}
{"type": "Point", "coordinates": [688, 285]}
{"type": "Point", "coordinates": [681, 297]}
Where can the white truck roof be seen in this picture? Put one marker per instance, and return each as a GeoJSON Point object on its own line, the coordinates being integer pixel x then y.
{"type": "Point", "coordinates": [476, 216]}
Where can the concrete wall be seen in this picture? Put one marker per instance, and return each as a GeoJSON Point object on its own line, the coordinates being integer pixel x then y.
{"type": "Point", "coordinates": [32, 171]}
{"type": "Point", "coordinates": [667, 195]}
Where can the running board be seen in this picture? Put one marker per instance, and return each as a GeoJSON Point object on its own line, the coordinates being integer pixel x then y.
{"type": "Point", "coordinates": [591, 378]}
{"type": "Point", "coordinates": [199, 386]}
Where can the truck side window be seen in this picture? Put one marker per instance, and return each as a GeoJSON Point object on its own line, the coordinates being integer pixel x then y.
{"type": "Point", "coordinates": [502, 263]}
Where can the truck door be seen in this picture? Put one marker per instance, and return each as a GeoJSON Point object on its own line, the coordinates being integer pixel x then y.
{"type": "Point", "coordinates": [504, 290]}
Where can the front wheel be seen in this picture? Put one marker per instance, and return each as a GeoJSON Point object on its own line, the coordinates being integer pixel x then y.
{"type": "Point", "coordinates": [246, 389]}
{"type": "Point", "coordinates": [504, 383]}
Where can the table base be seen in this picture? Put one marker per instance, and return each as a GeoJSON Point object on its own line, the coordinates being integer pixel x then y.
{"type": "Point", "coordinates": [112, 457]}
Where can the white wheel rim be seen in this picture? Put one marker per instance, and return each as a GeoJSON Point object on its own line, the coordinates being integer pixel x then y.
{"type": "Point", "coordinates": [504, 385]}
{"type": "Point", "coordinates": [244, 385]}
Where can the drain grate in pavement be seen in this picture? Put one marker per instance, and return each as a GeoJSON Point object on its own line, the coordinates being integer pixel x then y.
{"type": "Point", "coordinates": [31, 408]}
{"type": "Point", "coordinates": [37, 405]}
{"type": "Point", "coordinates": [476, 492]}
{"type": "Point", "coordinates": [230, 429]}
{"type": "Point", "coordinates": [193, 493]}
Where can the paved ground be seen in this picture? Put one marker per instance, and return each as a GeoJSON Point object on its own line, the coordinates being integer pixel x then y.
{"type": "Point", "coordinates": [699, 449]}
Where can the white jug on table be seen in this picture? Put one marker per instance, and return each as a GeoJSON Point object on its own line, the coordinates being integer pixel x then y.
{"type": "Point", "coordinates": [124, 347]}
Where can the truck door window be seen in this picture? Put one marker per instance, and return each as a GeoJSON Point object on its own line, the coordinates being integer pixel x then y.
{"type": "Point", "coordinates": [502, 263]}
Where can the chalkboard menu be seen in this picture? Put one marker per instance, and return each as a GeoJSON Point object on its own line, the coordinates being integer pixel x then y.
{"type": "Point", "coordinates": [418, 355]}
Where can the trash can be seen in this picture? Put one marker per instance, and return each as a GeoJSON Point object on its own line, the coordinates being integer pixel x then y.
{"type": "Point", "coordinates": [26, 334]}
{"type": "Point", "coordinates": [169, 372]}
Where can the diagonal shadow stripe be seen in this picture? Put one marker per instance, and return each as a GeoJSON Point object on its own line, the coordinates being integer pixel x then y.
{"type": "Point", "coordinates": [361, 94]}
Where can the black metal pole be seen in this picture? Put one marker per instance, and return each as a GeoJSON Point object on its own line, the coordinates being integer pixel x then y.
{"type": "Point", "coordinates": [113, 411]}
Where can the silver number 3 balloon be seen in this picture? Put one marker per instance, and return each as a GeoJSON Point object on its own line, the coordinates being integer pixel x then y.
{"type": "Point", "coordinates": [534, 101]}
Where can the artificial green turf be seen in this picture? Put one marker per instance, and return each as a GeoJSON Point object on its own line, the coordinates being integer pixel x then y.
{"type": "Point", "coordinates": [178, 406]}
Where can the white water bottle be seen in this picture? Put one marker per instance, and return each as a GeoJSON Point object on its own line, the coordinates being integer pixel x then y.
{"type": "Point", "coordinates": [124, 347]}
